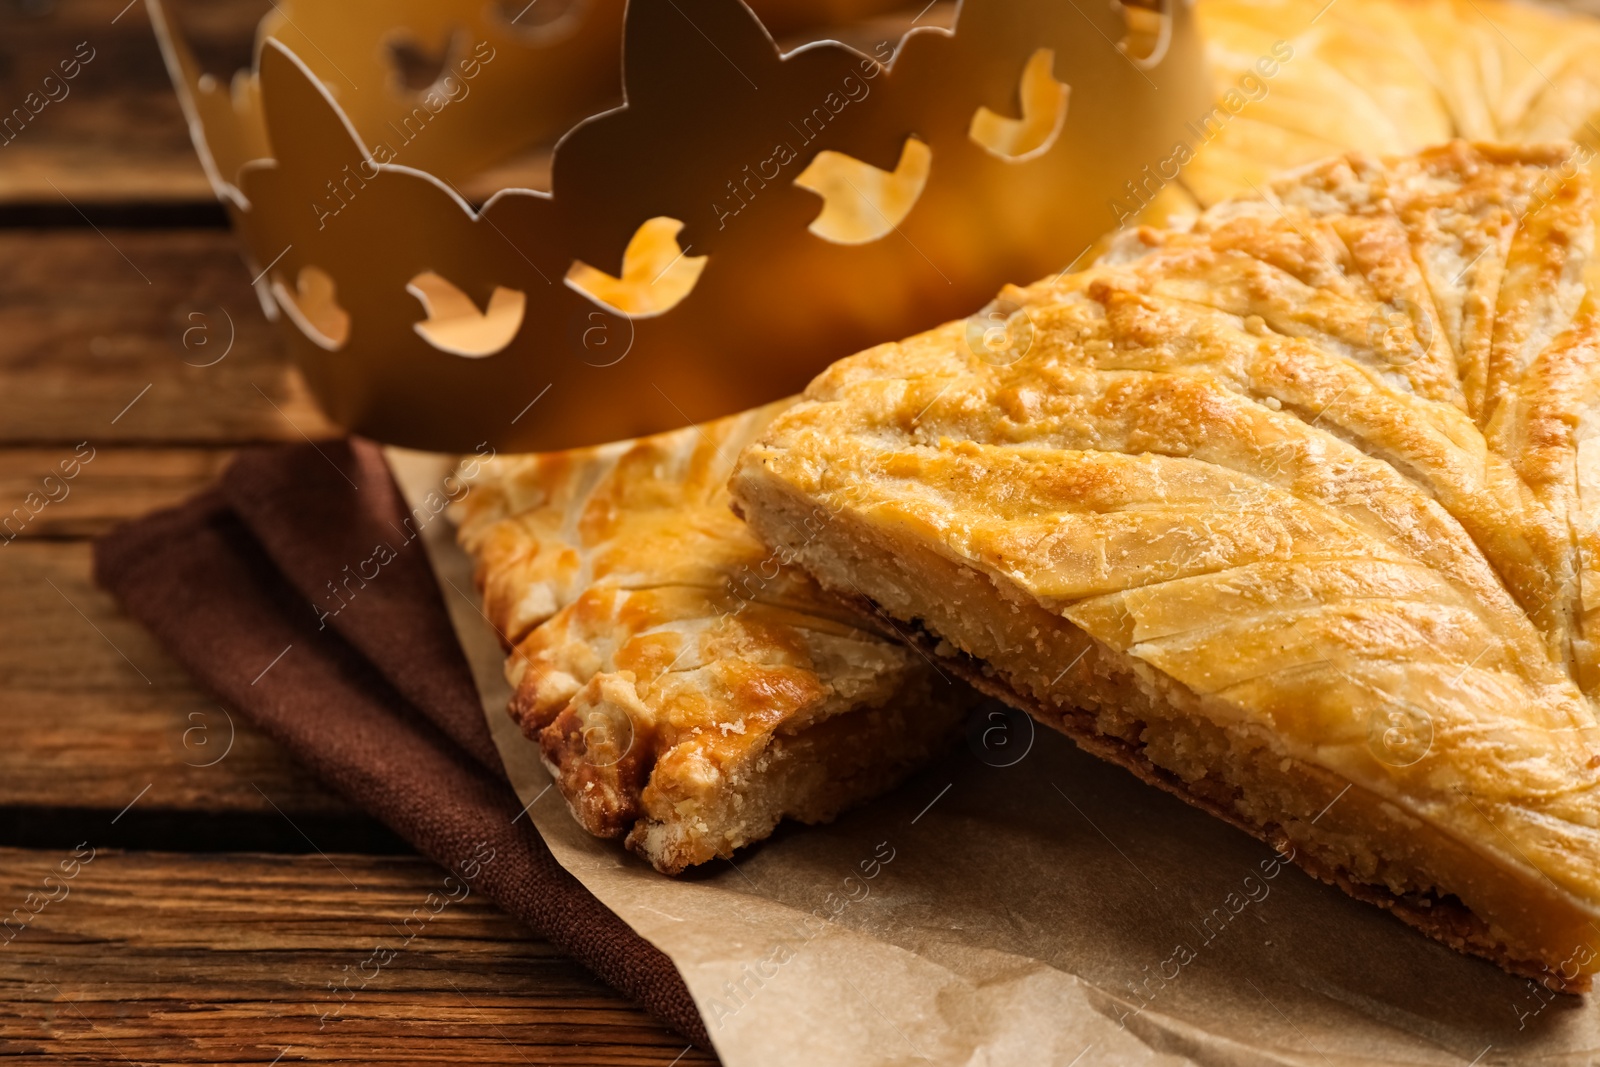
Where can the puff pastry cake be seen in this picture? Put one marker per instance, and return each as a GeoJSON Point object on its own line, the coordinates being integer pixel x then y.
{"type": "Point", "coordinates": [1290, 513]}
{"type": "Point", "coordinates": [686, 688]}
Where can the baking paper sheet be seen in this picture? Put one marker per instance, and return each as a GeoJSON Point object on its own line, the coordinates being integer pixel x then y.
{"type": "Point", "coordinates": [1021, 903]}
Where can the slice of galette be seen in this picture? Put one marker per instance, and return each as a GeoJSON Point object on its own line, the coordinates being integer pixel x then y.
{"type": "Point", "coordinates": [687, 688]}
{"type": "Point", "coordinates": [1290, 513]}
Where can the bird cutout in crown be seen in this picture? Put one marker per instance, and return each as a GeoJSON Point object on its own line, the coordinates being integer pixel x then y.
{"type": "Point", "coordinates": [743, 218]}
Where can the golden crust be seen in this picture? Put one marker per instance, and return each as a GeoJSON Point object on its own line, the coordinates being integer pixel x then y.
{"type": "Point", "coordinates": [1299, 80]}
{"type": "Point", "coordinates": [686, 690]}
{"type": "Point", "coordinates": [1385, 77]}
{"type": "Point", "coordinates": [1308, 481]}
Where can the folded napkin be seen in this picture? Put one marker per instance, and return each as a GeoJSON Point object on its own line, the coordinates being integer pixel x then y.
{"type": "Point", "coordinates": [239, 584]}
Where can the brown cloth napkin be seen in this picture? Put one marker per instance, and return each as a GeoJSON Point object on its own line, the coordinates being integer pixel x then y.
{"type": "Point", "coordinates": [376, 699]}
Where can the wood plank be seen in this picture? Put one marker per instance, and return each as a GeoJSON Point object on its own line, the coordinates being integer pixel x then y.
{"type": "Point", "coordinates": [95, 711]}
{"type": "Point", "coordinates": [118, 133]}
{"type": "Point", "coordinates": [125, 336]}
{"type": "Point", "coordinates": [149, 957]}
{"type": "Point", "coordinates": [107, 485]}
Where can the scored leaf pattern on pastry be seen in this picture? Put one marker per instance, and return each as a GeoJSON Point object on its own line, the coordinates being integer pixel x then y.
{"type": "Point", "coordinates": [1326, 460]}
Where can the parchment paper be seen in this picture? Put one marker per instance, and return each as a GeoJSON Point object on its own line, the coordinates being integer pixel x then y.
{"type": "Point", "coordinates": [1022, 903]}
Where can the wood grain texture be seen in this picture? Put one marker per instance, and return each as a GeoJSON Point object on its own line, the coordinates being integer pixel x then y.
{"type": "Point", "coordinates": [94, 710]}
{"type": "Point", "coordinates": [148, 958]}
{"type": "Point", "coordinates": [118, 134]}
{"type": "Point", "coordinates": [38, 499]}
{"type": "Point", "coordinates": [89, 320]}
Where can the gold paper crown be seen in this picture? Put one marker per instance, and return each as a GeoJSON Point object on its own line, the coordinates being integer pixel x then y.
{"type": "Point", "coordinates": [745, 217]}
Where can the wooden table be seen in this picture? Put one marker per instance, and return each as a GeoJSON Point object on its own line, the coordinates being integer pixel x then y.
{"type": "Point", "coordinates": [226, 888]}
